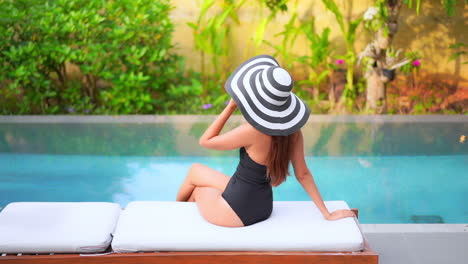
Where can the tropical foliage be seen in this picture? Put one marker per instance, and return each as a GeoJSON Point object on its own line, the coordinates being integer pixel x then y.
{"type": "Point", "coordinates": [81, 56]}
{"type": "Point", "coordinates": [118, 57]}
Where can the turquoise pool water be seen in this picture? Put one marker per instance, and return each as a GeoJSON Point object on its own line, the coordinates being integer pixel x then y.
{"type": "Point", "coordinates": [394, 172]}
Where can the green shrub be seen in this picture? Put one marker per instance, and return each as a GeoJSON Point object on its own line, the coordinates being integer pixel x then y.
{"type": "Point", "coordinates": [85, 56]}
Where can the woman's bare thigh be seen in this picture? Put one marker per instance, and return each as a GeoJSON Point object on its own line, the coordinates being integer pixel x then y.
{"type": "Point", "coordinates": [204, 176]}
{"type": "Point", "coordinates": [214, 208]}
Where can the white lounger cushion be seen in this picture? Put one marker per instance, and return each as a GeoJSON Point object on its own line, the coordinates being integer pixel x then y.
{"type": "Point", "coordinates": [178, 226]}
{"type": "Point", "coordinates": [59, 227]}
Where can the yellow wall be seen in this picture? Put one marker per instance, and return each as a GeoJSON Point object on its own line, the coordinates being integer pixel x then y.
{"type": "Point", "coordinates": [431, 33]}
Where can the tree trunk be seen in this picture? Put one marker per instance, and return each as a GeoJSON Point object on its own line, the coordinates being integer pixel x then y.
{"type": "Point", "coordinates": [376, 100]}
{"type": "Point", "coordinates": [376, 81]}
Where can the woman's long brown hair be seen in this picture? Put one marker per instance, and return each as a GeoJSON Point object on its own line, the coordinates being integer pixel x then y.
{"type": "Point", "coordinates": [278, 159]}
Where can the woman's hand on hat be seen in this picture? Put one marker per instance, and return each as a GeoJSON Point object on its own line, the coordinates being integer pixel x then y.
{"type": "Point", "coordinates": [338, 214]}
{"type": "Point", "coordinates": [232, 104]}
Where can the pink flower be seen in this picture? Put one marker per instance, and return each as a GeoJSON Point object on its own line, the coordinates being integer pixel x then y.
{"type": "Point", "coordinates": [339, 61]}
{"type": "Point", "coordinates": [416, 63]}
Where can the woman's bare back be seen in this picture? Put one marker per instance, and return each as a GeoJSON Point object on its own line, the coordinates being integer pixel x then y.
{"type": "Point", "coordinates": [259, 150]}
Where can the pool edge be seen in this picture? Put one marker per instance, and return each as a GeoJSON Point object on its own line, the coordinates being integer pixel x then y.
{"type": "Point", "coordinates": [235, 118]}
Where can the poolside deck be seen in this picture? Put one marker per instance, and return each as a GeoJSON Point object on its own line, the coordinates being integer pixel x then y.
{"type": "Point", "coordinates": [418, 243]}
{"type": "Point", "coordinates": [414, 243]}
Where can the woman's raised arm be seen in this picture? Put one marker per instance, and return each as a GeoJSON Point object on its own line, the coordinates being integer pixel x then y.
{"type": "Point", "coordinates": [240, 136]}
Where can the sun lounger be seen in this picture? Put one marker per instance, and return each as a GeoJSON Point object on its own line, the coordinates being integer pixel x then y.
{"type": "Point", "coordinates": [293, 226]}
{"type": "Point", "coordinates": [174, 232]}
{"type": "Point", "coordinates": [43, 227]}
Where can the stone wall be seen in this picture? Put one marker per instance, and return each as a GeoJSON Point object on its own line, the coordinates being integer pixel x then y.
{"type": "Point", "coordinates": [431, 33]}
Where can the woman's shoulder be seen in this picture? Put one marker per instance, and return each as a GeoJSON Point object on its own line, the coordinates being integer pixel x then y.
{"type": "Point", "coordinates": [253, 131]}
{"type": "Point", "coordinates": [256, 138]}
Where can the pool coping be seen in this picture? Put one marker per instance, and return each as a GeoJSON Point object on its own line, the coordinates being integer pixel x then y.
{"type": "Point", "coordinates": [415, 228]}
{"type": "Point", "coordinates": [235, 118]}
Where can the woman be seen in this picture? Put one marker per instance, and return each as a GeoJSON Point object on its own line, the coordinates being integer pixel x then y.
{"type": "Point", "coordinates": [269, 140]}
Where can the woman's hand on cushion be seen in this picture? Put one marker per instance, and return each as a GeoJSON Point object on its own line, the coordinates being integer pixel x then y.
{"type": "Point", "coordinates": [338, 214]}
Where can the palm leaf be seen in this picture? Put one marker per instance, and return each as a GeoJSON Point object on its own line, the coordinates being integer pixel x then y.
{"type": "Point", "coordinates": [331, 5]}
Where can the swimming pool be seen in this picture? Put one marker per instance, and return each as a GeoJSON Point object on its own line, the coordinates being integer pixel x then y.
{"type": "Point", "coordinates": [395, 169]}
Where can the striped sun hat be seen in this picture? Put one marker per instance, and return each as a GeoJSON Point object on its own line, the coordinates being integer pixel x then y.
{"type": "Point", "coordinates": [262, 91]}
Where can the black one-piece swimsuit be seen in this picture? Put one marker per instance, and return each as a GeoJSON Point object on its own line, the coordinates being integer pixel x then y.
{"type": "Point", "coordinates": [249, 192]}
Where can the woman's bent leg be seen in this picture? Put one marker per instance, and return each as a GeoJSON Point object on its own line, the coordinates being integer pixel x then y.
{"type": "Point", "coordinates": [214, 208]}
{"type": "Point", "coordinates": [200, 175]}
